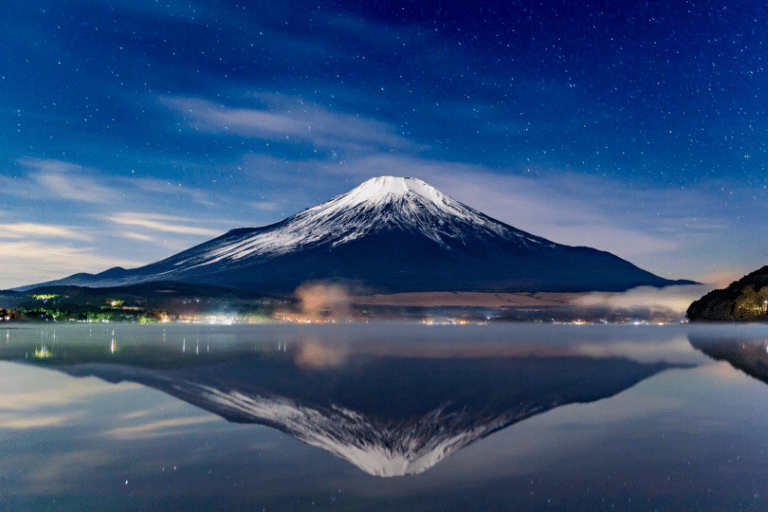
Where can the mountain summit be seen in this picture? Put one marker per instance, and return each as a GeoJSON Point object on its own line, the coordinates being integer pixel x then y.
{"type": "Point", "coordinates": [379, 205]}
{"type": "Point", "coordinates": [390, 234]}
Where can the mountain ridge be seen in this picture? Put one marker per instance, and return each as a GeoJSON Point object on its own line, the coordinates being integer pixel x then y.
{"type": "Point", "coordinates": [388, 235]}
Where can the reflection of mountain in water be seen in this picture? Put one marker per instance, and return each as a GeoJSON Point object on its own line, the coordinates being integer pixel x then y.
{"type": "Point", "coordinates": [386, 410]}
{"type": "Point", "coordinates": [747, 355]}
{"type": "Point", "coordinates": [387, 415]}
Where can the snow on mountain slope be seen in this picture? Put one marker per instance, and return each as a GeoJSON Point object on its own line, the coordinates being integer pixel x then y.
{"type": "Point", "coordinates": [382, 203]}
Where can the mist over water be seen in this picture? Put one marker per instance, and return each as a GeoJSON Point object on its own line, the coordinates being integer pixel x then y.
{"type": "Point", "coordinates": [646, 302]}
{"type": "Point", "coordinates": [674, 299]}
{"type": "Point", "coordinates": [319, 301]}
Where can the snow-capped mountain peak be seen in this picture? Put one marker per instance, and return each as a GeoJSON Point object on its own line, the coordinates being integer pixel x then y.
{"type": "Point", "coordinates": [391, 189]}
{"type": "Point", "coordinates": [389, 201]}
{"type": "Point", "coordinates": [392, 234]}
{"type": "Point", "coordinates": [379, 204]}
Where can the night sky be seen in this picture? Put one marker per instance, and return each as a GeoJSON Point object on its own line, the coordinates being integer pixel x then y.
{"type": "Point", "coordinates": [133, 129]}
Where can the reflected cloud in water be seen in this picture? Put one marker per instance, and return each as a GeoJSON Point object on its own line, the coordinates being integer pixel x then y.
{"type": "Point", "coordinates": [157, 429]}
{"type": "Point", "coordinates": [18, 422]}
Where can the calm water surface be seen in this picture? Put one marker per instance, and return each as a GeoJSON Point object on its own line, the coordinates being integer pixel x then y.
{"type": "Point", "coordinates": [383, 417]}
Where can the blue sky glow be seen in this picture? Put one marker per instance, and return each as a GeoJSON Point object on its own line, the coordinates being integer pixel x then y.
{"type": "Point", "coordinates": [132, 130]}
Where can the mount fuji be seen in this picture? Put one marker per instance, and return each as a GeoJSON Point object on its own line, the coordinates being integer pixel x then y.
{"type": "Point", "coordinates": [390, 234]}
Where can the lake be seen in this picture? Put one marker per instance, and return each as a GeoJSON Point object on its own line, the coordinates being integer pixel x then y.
{"type": "Point", "coordinates": [383, 416]}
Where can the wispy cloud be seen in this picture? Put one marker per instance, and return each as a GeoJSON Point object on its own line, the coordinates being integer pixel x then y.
{"type": "Point", "coordinates": [37, 230]}
{"type": "Point", "coordinates": [102, 212]}
{"type": "Point", "coordinates": [136, 236]}
{"type": "Point", "coordinates": [55, 179]}
{"type": "Point", "coordinates": [264, 205]}
{"type": "Point", "coordinates": [164, 223]}
{"type": "Point", "coordinates": [18, 187]}
{"type": "Point", "coordinates": [30, 262]}
{"type": "Point", "coordinates": [156, 186]}
{"type": "Point", "coordinates": [64, 180]}
{"type": "Point", "coordinates": [289, 118]}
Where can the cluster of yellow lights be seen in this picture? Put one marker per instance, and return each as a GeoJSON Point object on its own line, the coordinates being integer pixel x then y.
{"type": "Point", "coordinates": [220, 319]}
{"type": "Point", "coordinates": [450, 321]}
{"type": "Point", "coordinates": [42, 353]}
{"type": "Point", "coordinates": [302, 319]}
